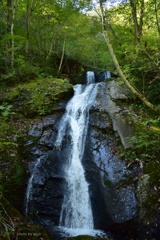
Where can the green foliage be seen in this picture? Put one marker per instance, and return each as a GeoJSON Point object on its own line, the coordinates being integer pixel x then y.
{"type": "Point", "coordinates": [146, 137]}
{"type": "Point", "coordinates": [5, 110]}
{"type": "Point", "coordinates": [37, 97]}
{"type": "Point", "coordinates": [23, 72]}
{"type": "Point", "coordinates": [146, 140]}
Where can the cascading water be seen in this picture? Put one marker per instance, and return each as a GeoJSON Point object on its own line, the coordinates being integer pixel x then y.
{"type": "Point", "coordinates": [76, 214]}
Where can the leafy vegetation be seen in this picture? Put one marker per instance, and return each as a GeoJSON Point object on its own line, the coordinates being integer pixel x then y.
{"type": "Point", "coordinates": [146, 137]}
{"type": "Point", "coordinates": [5, 110]}
{"type": "Point", "coordinates": [38, 96]}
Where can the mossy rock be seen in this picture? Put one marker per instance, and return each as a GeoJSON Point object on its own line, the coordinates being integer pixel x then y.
{"type": "Point", "coordinates": [37, 97]}
{"type": "Point", "coordinates": [14, 226]}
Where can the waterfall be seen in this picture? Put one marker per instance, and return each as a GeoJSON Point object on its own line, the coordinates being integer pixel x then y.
{"type": "Point", "coordinates": [107, 74]}
{"type": "Point", "coordinates": [76, 214]}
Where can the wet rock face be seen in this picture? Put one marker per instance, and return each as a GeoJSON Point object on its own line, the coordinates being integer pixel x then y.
{"type": "Point", "coordinates": [48, 187]}
{"type": "Point", "coordinates": [119, 199]}
{"type": "Point", "coordinates": [46, 168]}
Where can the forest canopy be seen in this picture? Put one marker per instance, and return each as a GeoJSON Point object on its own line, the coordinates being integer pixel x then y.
{"type": "Point", "coordinates": [38, 38]}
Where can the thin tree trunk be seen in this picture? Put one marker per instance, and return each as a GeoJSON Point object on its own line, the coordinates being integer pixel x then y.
{"type": "Point", "coordinates": [51, 47]}
{"type": "Point", "coordinates": [12, 32]}
{"type": "Point", "coordinates": [62, 57]}
{"type": "Point", "coordinates": [134, 16]}
{"type": "Point", "coordinates": [8, 16]}
{"type": "Point", "coordinates": [141, 18]}
{"type": "Point", "coordinates": [8, 31]}
{"type": "Point", "coordinates": [157, 20]}
{"type": "Point", "coordinates": [137, 24]}
{"type": "Point", "coordinates": [28, 16]}
{"type": "Point", "coordinates": [132, 89]}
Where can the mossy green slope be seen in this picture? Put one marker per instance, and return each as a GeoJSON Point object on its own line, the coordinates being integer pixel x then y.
{"type": "Point", "coordinates": [37, 97]}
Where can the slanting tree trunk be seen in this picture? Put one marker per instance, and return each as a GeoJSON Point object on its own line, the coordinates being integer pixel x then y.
{"type": "Point", "coordinates": [132, 89]}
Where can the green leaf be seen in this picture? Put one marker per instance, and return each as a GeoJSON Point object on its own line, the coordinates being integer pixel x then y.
{"type": "Point", "coordinates": [2, 107]}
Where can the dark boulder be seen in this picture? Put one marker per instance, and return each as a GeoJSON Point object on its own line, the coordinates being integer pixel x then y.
{"type": "Point", "coordinates": [101, 76]}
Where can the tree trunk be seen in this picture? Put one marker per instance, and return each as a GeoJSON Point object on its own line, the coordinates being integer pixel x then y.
{"type": "Point", "coordinates": [62, 56]}
{"type": "Point", "coordinates": [8, 16]}
{"type": "Point", "coordinates": [8, 31]}
{"type": "Point", "coordinates": [132, 89]}
{"type": "Point", "coordinates": [12, 32]}
{"type": "Point", "coordinates": [157, 19]}
{"type": "Point", "coordinates": [29, 9]}
{"type": "Point", "coordinates": [135, 15]}
{"type": "Point", "coordinates": [141, 18]}
{"type": "Point", "coordinates": [51, 47]}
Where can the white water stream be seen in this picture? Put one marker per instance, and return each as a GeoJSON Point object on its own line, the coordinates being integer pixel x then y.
{"type": "Point", "coordinates": [76, 216]}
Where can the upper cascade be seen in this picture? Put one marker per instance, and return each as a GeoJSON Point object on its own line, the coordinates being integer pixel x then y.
{"type": "Point", "coordinates": [90, 77]}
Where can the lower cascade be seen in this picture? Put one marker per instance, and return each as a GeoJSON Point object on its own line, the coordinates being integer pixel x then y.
{"type": "Point", "coordinates": [76, 215]}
